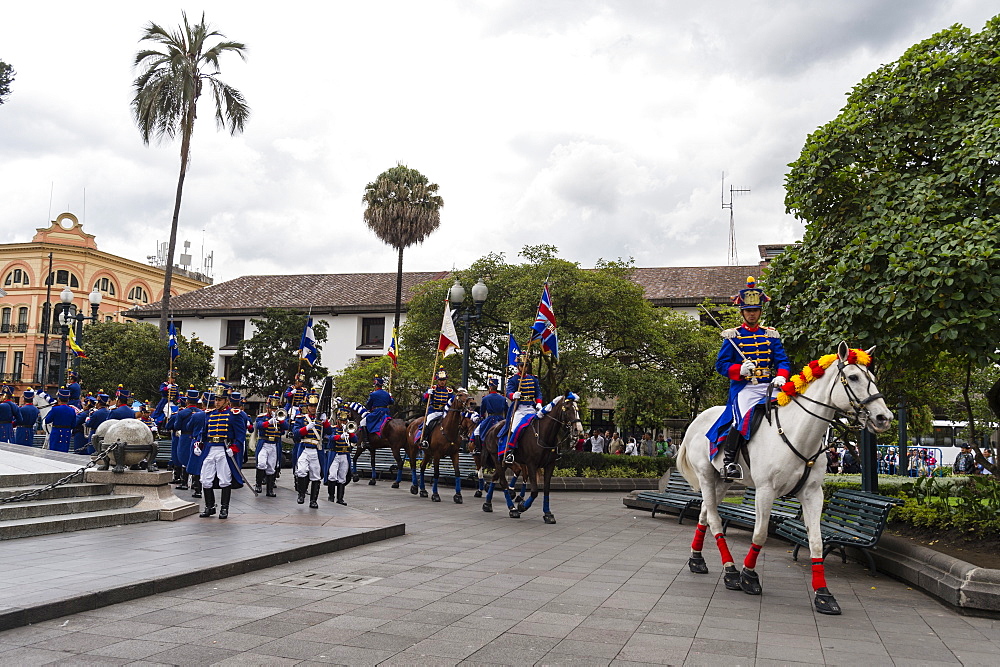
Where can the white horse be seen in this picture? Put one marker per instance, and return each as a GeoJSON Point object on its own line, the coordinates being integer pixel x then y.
{"type": "Point", "coordinates": [781, 457]}
{"type": "Point", "coordinates": [44, 403]}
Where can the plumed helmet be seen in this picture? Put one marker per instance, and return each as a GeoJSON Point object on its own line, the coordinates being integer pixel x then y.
{"type": "Point", "coordinates": [274, 400]}
{"type": "Point", "coordinates": [493, 383]}
{"type": "Point", "coordinates": [28, 394]}
{"type": "Point", "coordinates": [442, 374]}
{"type": "Point", "coordinates": [63, 392]}
{"type": "Point", "coordinates": [343, 415]}
{"type": "Point", "coordinates": [377, 382]}
{"type": "Point", "coordinates": [122, 394]}
{"type": "Point", "coordinates": [752, 296]}
{"type": "Point", "coordinates": [235, 397]}
{"type": "Point", "coordinates": [313, 398]}
{"type": "Point", "coordinates": [102, 398]}
{"type": "Point", "coordinates": [192, 393]}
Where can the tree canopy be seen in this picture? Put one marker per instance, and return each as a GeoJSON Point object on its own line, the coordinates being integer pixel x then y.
{"type": "Point", "coordinates": [6, 78]}
{"type": "Point", "coordinates": [267, 361]}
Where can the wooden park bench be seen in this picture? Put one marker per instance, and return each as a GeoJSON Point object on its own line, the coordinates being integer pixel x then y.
{"type": "Point", "coordinates": [851, 519]}
{"type": "Point", "coordinates": [678, 495]}
{"type": "Point", "coordinates": [745, 514]}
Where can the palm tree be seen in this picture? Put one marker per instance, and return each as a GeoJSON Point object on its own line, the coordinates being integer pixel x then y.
{"type": "Point", "coordinates": [402, 208]}
{"type": "Point", "coordinates": [171, 75]}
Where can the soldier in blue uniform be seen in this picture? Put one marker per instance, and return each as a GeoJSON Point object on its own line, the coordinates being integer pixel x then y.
{"type": "Point", "coordinates": [62, 417]}
{"type": "Point", "coordinates": [24, 431]}
{"type": "Point", "coordinates": [752, 357]}
{"type": "Point", "coordinates": [196, 421]}
{"type": "Point", "coordinates": [100, 414]}
{"type": "Point", "coordinates": [492, 409]}
{"type": "Point", "coordinates": [269, 429]}
{"type": "Point", "coordinates": [182, 424]}
{"type": "Point", "coordinates": [525, 393]}
{"type": "Point", "coordinates": [170, 426]}
{"type": "Point", "coordinates": [308, 435]}
{"type": "Point", "coordinates": [145, 415]}
{"type": "Point", "coordinates": [339, 457]}
{"type": "Point", "coordinates": [236, 406]}
{"type": "Point", "coordinates": [80, 444]}
{"type": "Point", "coordinates": [296, 395]}
{"type": "Point", "coordinates": [378, 404]}
{"type": "Point", "coordinates": [437, 398]}
{"type": "Point", "coordinates": [218, 441]}
{"type": "Point", "coordinates": [122, 409]}
{"type": "Point", "coordinates": [168, 398]}
{"type": "Point", "coordinates": [75, 391]}
{"type": "Point", "coordinates": [8, 413]}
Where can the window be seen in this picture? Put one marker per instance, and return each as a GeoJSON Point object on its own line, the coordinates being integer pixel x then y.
{"type": "Point", "coordinates": [372, 332]}
{"type": "Point", "coordinates": [64, 277]}
{"type": "Point", "coordinates": [137, 293]}
{"type": "Point", "coordinates": [5, 320]}
{"type": "Point", "coordinates": [18, 363]}
{"type": "Point", "coordinates": [234, 332]}
{"type": "Point", "coordinates": [3, 362]}
{"type": "Point", "coordinates": [105, 285]}
{"type": "Point", "coordinates": [109, 318]}
{"type": "Point", "coordinates": [17, 277]}
{"type": "Point", "coordinates": [229, 370]}
{"type": "Point", "coordinates": [177, 327]}
{"type": "Point", "coordinates": [22, 319]}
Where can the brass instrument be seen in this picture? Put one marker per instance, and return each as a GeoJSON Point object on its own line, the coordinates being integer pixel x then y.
{"type": "Point", "coordinates": [280, 414]}
{"type": "Point", "coordinates": [350, 428]}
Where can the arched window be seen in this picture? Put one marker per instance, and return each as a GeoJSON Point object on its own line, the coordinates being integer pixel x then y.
{"type": "Point", "coordinates": [16, 278]}
{"type": "Point", "coordinates": [105, 285]}
{"type": "Point", "coordinates": [138, 294]}
{"type": "Point", "coordinates": [63, 277]}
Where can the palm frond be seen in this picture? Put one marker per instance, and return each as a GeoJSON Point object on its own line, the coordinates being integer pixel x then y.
{"type": "Point", "coordinates": [402, 207]}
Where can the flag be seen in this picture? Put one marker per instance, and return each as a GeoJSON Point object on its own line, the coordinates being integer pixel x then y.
{"type": "Point", "coordinates": [391, 352]}
{"type": "Point", "coordinates": [544, 328]}
{"type": "Point", "coordinates": [307, 348]}
{"type": "Point", "coordinates": [513, 351]}
{"type": "Point", "coordinates": [448, 342]}
{"type": "Point", "coordinates": [77, 350]}
{"type": "Point", "coordinates": [172, 341]}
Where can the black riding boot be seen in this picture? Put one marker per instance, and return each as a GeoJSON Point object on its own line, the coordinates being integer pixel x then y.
{"type": "Point", "coordinates": [260, 480]}
{"type": "Point", "coordinates": [196, 486]}
{"type": "Point", "coordinates": [184, 479]}
{"type": "Point", "coordinates": [209, 503]}
{"type": "Point", "coordinates": [314, 494]}
{"type": "Point", "coordinates": [227, 492]}
{"type": "Point", "coordinates": [301, 483]}
{"type": "Point", "coordinates": [177, 475]}
{"type": "Point", "coordinates": [330, 488]}
{"type": "Point", "coordinates": [270, 487]}
{"type": "Point", "coordinates": [730, 469]}
{"type": "Point", "coordinates": [340, 494]}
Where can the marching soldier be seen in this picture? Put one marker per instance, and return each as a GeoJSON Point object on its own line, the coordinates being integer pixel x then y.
{"type": "Point", "coordinates": [24, 431]}
{"type": "Point", "coordinates": [752, 357]}
{"type": "Point", "coordinates": [438, 397]}
{"type": "Point", "coordinates": [9, 413]}
{"type": "Point", "coordinates": [122, 409]}
{"type": "Point", "coordinates": [269, 428]}
{"type": "Point", "coordinates": [339, 455]}
{"type": "Point", "coordinates": [218, 439]}
{"type": "Point", "coordinates": [99, 415]}
{"type": "Point", "coordinates": [236, 405]}
{"type": "Point", "coordinates": [182, 422]}
{"type": "Point", "coordinates": [73, 385]}
{"type": "Point", "coordinates": [168, 398]}
{"type": "Point", "coordinates": [145, 416]}
{"type": "Point", "coordinates": [296, 396]}
{"type": "Point", "coordinates": [492, 409]}
{"type": "Point", "coordinates": [194, 419]}
{"type": "Point", "coordinates": [525, 393]}
{"type": "Point", "coordinates": [170, 425]}
{"type": "Point", "coordinates": [308, 435]}
{"type": "Point", "coordinates": [378, 404]}
{"type": "Point", "coordinates": [62, 417]}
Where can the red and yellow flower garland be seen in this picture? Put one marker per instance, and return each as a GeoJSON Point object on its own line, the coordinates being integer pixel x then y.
{"type": "Point", "coordinates": [815, 369]}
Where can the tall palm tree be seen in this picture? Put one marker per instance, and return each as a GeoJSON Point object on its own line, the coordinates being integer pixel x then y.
{"type": "Point", "coordinates": [171, 75]}
{"type": "Point", "coordinates": [402, 208]}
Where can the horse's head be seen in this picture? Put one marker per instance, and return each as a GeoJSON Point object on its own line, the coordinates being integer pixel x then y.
{"type": "Point", "coordinates": [42, 400]}
{"type": "Point", "coordinates": [855, 392]}
{"type": "Point", "coordinates": [566, 411]}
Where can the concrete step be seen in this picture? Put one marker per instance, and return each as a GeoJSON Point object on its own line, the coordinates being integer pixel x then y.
{"type": "Point", "coordinates": [33, 478]}
{"type": "Point", "coordinates": [65, 523]}
{"type": "Point", "coordinates": [72, 490]}
{"type": "Point", "coordinates": [59, 506]}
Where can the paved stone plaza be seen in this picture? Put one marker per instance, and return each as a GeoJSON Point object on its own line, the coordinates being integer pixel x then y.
{"type": "Point", "coordinates": [606, 585]}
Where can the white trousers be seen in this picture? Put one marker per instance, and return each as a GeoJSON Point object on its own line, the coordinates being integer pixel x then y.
{"type": "Point", "coordinates": [216, 466]}
{"type": "Point", "coordinates": [748, 397]}
{"type": "Point", "coordinates": [268, 457]}
{"type": "Point", "coordinates": [308, 465]}
{"type": "Point", "coordinates": [339, 467]}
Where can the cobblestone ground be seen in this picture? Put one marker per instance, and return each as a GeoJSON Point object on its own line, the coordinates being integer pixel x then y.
{"type": "Point", "coordinates": [606, 585]}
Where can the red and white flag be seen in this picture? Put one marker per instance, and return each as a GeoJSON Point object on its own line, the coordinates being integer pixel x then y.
{"type": "Point", "coordinates": [448, 342]}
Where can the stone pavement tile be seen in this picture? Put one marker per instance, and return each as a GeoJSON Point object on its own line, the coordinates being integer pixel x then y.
{"type": "Point", "coordinates": [133, 649]}
{"type": "Point", "coordinates": [217, 623]}
{"type": "Point", "coordinates": [227, 609]}
{"type": "Point", "coordinates": [905, 652]}
{"type": "Point", "coordinates": [324, 635]}
{"type": "Point", "coordinates": [727, 634]}
{"type": "Point", "coordinates": [646, 648]}
{"type": "Point", "coordinates": [554, 659]}
{"type": "Point", "coordinates": [724, 647]}
{"type": "Point", "coordinates": [519, 642]}
{"type": "Point", "coordinates": [301, 616]}
{"type": "Point", "coordinates": [618, 637]}
{"type": "Point", "coordinates": [334, 607]}
{"type": "Point", "coordinates": [191, 655]}
{"type": "Point", "coordinates": [381, 640]}
{"type": "Point", "coordinates": [706, 659]}
{"type": "Point", "coordinates": [350, 655]}
{"type": "Point", "coordinates": [486, 623]}
{"type": "Point", "coordinates": [724, 622]}
{"type": "Point", "coordinates": [31, 634]}
{"type": "Point", "coordinates": [287, 647]}
{"type": "Point", "coordinates": [164, 617]}
{"type": "Point", "coordinates": [95, 660]}
{"type": "Point", "coordinates": [766, 649]}
{"type": "Point", "coordinates": [29, 655]}
{"type": "Point", "coordinates": [503, 655]}
{"type": "Point", "coordinates": [76, 641]}
{"type": "Point", "coordinates": [236, 641]}
{"type": "Point", "coordinates": [469, 635]}
{"type": "Point", "coordinates": [445, 648]}
{"type": "Point", "coordinates": [874, 649]}
{"type": "Point", "coordinates": [768, 662]}
{"type": "Point", "coordinates": [584, 648]}
{"type": "Point", "coordinates": [270, 627]}
{"type": "Point", "coordinates": [672, 629]}
{"type": "Point", "coordinates": [607, 623]}
{"type": "Point", "coordinates": [967, 657]}
{"type": "Point", "coordinates": [851, 659]}
{"type": "Point", "coordinates": [351, 622]}
{"type": "Point", "coordinates": [397, 602]}
{"type": "Point", "coordinates": [542, 629]}
{"type": "Point", "coordinates": [256, 659]}
{"type": "Point", "coordinates": [556, 618]}
{"type": "Point", "coordinates": [408, 658]}
{"type": "Point", "coordinates": [436, 618]}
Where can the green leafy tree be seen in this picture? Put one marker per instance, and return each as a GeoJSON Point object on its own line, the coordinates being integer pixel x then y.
{"type": "Point", "coordinates": [6, 78]}
{"type": "Point", "coordinates": [172, 73]}
{"type": "Point", "coordinates": [135, 356]}
{"type": "Point", "coordinates": [901, 199]}
{"type": "Point", "coordinates": [403, 208]}
{"type": "Point", "coordinates": [267, 361]}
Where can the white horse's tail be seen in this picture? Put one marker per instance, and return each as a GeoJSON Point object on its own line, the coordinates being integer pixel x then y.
{"type": "Point", "coordinates": [685, 467]}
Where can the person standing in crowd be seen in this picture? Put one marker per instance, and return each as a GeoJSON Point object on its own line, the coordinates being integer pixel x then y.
{"type": "Point", "coordinates": [616, 443]}
{"type": "Point", "coordinates": [596, 442]}
{"type": "Point", "coordinates": [965, 462]}
{"type": "Point", "coordinates": [8, 413]}
{"type": "Point", "coordinates": [833, 460]}
{"type": "Point", "coordinates": [62, 417]}
{"type": "Point", "coordinates": [632, 448]}
{"type": "Point", "coordinates": [646, 446]}
{"type": "Point", "coordinates": [27, 417]}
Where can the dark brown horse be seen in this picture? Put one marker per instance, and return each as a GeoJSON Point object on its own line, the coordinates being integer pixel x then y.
{"type": "Point", "coordinates": [478, 457]}
{"type": "Point", "coordinates": [536, 452]}
{"type": "Point", "coordinates": [393, 436]}
{"type": "Point", "coordinates": [444, 440]}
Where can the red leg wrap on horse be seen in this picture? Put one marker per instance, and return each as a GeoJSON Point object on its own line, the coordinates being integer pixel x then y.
{"type": "Point", "coordinates": [750, 562]}
{"type": "Point", "coordinates": [819, 576]}
{"type": "Point", "coordinates": [699, 537]}
{"type": "Point", "coordinates": [720, 540]}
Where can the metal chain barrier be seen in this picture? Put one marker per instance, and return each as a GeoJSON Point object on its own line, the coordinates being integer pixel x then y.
{"type": "Point", "coordinates": [34, 493]}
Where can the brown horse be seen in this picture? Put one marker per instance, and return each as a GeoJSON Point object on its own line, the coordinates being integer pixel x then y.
{"type": "Point", "coordinates": [536, 452]}
{"type": "Point", "coordinates": [444, 440]}
{"type": "Point", "coordinates": [478, 458]}
{"type": "Point", "coordinates": [393, 436]}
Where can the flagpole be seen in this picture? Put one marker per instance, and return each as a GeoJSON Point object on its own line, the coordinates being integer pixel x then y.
{"type": "Point", "coordinates": [520, 382]}
{"type": "Point", "coordinates": [503, 371]}
{"type": "Point", "coordinates": [427, 404]}
{"type": "Point", "coordinates": [298, 368]}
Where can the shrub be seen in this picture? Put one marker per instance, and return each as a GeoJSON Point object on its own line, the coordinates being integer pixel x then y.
{"type": "Point", "coordinates": [589, 464]}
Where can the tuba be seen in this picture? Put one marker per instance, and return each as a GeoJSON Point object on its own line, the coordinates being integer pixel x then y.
{"type": "Point", "coordinates": [350, 428]}
{"type": "Point", "coordinates": [280, 414]}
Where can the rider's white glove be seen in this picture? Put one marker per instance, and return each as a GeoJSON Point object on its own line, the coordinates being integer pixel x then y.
{"type": "Point", "coordinates": [516, 395]}
{"type": "Point", "coordinates": [779, 381]}
{"type": "Point", "coordinates": [746, 370]}
{"type": "Point", "coordinates": [538, 410]}
{"type": "Point", "coordinates": [197, 450]}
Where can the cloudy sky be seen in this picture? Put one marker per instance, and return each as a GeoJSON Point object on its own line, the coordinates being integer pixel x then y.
{"type": "Point", "coordinates": [602, 128]}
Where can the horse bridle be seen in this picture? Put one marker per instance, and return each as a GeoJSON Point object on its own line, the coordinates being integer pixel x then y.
{"type": "Point", "coordinates": [566, 424]}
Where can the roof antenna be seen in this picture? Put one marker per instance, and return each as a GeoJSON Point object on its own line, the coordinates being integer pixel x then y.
{"type": "Point", "coordinates": [733, 257]}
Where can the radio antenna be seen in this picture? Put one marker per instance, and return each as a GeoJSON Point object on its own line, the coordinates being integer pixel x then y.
{"type": "Point", "coordinates": [733, 257]}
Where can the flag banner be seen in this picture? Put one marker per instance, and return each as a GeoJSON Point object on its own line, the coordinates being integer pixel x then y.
{"type": "Point", "coordinates": [513, 351]}
{"type": "Point", "coordinates": [307, 348]}
{"type": "Point", "coordinates": [172, 342]}
{"type": "Point", "coordinates": [448, 342]}
{"type": "Point", "coordinates": [77, 350]}
{"type": "Point", "coordinates": [391, 352]}
{"type": "Point", "coordinates": [544, 328]}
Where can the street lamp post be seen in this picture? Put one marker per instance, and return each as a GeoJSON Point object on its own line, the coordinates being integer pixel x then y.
{"type": "Point", "coordinates": [95, 301]}
{"type": "Point", "coordinates": [65, 319]}
{"type": "Point", "coordinates": [467, 314]}
{"type": "Point", "coordinates": [68, 317]}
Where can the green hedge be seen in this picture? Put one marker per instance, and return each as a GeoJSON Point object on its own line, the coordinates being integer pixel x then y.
{"type": "Point", "coordinates": [589, 464]}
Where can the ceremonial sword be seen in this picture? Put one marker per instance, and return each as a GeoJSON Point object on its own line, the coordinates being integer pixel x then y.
{"type": "Point", "coordinates": [753, 380]}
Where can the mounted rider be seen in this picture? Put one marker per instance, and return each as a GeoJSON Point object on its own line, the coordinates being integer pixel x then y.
{"type": "Point", "coordinates": [437, 398]}
{"type": "Point", "coordinates": [24, 431]}
{"type": "Point", "coordinates": [753, 358]}
{"type": "Point", "coordinates": [377, 405]}
{"type": "Point", "coordinates": [525, 393]}
{"type": "Point", "coordinates": [269, 427]}
{"type": "Point", "coordinates": [339, 456]}
{"type": "Point", "coordinates": [492, 410]}
{"type": "Point", "coordinates": [168, 397]}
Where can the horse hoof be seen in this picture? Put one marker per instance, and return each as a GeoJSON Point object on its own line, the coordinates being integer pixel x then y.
{"type": "Point", "coordinates": [825, 603]}
{"type": "Point", "coordinates": [355, 478]}
{"type": "Point", "coordinates": [549, 518]}
{"type": "Point", "coordinates": [520, 506]}
{"type": "Point", "coordinates": [514, 514]}
{"type": "Point", "coordinates": [750, 582]}
{"type": "Point", "coordinates": [698, 565]}
{"type": "Point", "coordinates": [458, 498]}
{"type": "Point", "coordinates": [423, 493]}
{"type": "Point", "coordinates": [731, 578]}
{"type": "Point", "coordinates": [414, 490]}
{"type": "Point", "coordinates": [477, 494]}
{"type": "Point", "coordinates": [435, 498]}
{"type": "Point", "coordinates": [519, 499]}
{"type": "Point", "coordinates": [371, 482]}
{"type": "Point", "coordinates": [395, 485]}
{"type": "Point", "coordinates": [487, 507]}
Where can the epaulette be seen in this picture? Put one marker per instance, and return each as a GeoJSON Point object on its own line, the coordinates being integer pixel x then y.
{"type": "Point", "coordinates": [728, 333]}
{"type": "Point", "coordinates": [771, 332]}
